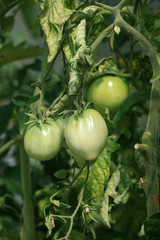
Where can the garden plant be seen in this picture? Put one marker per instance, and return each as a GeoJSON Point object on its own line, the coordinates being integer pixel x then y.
{"type": "Point", "coordinates": [79, 119]}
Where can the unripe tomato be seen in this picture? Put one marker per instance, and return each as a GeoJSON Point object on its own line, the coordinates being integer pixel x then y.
{"type": "Point", "coordinates": [107, 92]}
{"type": "Point", "coordinates": [43, 141]}
{"type": "Point", "coordinates": [86, 135]}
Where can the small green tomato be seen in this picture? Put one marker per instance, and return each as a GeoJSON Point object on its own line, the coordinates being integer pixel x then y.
{"type": "Point", "coordinates": [42, 141]}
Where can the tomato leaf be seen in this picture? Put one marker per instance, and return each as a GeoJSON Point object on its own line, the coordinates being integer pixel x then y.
{"type": "Point", "coordinates": [75, 48]}
{"type": "Point", "coordinates": [22, 119]}
{"type": "Point", "coordinates": [62, 173]}
{"type": "Point", "coordinates": [76, 39]}
{"type": "Point", "coordinates": [6, 5]}
{"type": "Point", "coordinates": [99, 173]}
{"type": "Point", "coordinates": [155, 77]}
{"type": "Point", "coordinates": [5, 113]}
{"type": "Point", "coordinates": [110, 191]}
{"type": "Point", "coordinates": [152, 226]}
{"type": "Point", "coordinates": [34, 99]}
{"type": "Point", "coordinates": [10, 53]}
{"type": "Point", "coordinates": [112, 146]}
{"type": "Point", "coordinates": [19, 103]}
{"type": "Point", "coordinates": [53, 17]}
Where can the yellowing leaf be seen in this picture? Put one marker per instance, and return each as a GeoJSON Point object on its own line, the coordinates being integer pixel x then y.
{"type": "Point", "coordinates": [98, 176]}
{"type": "Point", "coordinates": [53, 17]}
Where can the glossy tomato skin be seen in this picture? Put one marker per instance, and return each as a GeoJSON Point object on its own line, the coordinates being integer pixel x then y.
{"type": "Point", "coordinates": [43, 141]}
{"type": "Point", "coordinates": [107, 92]}
{"type": "Point", "coordinates": [86, 136]}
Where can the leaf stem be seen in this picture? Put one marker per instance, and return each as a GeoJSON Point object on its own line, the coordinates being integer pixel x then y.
{"type": "Point", "coordinates": [62, 189]}
{"type": "Point", "coordinates": [7, 145]}
{"type": "Point", "coordinates": [77, 207]}
{"type": "Point", "coordinates": [101, 37]}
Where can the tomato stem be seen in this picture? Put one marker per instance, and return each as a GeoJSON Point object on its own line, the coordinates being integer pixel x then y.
{"type": "Point", "coordinates": [153, 118]}
{"type": "Point", "coordinates": [28, 225]}
{"type": "Point", "coordinates": [80, 198]}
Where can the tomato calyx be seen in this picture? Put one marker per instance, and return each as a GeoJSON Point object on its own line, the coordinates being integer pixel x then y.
{"type": "Point", "coordinates": [37, 121]}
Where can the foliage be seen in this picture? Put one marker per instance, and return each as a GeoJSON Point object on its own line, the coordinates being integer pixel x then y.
{"type": "Point", "coordinates": [50, 51]}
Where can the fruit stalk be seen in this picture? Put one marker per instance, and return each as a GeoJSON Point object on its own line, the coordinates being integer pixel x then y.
{"type": "Point", "coordinates": [28, 226]}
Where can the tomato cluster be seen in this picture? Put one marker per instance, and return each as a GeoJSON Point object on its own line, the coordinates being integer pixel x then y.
{"type": "Point", "coordinates": [85, 135]}
{"type": "Point", "coordinates": [85, 132]}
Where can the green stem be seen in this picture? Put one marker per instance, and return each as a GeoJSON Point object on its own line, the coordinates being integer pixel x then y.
{"type": "Point", "coordinates": [28, 226]}
{"type": "Point", "coordinates": [146, 44]}
{"type": "Point", "coordinates": [69, 185]}
{"type": "Point", "coordinates": [45, 69]}
{"type": "Point", "coordinates": [150, 134]}
{"type": "Point", "coordinates": [6, 146]}
{"type": "Point", "coordinates": [109, 8]}
{"type": "Point", "coordinates": [101, 37]}
{"type": "Point", "coordinates": [77, 207]}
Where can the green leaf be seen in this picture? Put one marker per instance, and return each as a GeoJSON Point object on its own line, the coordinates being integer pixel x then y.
{"type": "Point", "coordinates": [22, 119]}
{"type": "Point", "coordinates": [75, 49]}
{"type": "Point", "coordinates": [7, 23]}
{"type": "Point", "coordinates": [6, 114]}
{"type": "Point", "coordinates": [155, 77]}
{"type": "Point", "coordinates": [62, 173]}
{"type": "Point", "coordinates": [112, 145]}
{"type": "Point", "coordinates": [97, 24]}
{"type": "Point", "coordinates": [152, 227]}
{"type": "Point", "coordinates": [133, 99]}
{"type": "Point", "coordinates": [12, 180]}
{"type": "Point", "coordinates": [23, 94]}
{"type": "Point", "coordinates": [6, 5]}
{"type": "Point", "coordinates": [98, 176]}
{"type": "Point", "coordinates": [19, 103]}
{"type": "Point", "coordinates": [53, 17]}
{"type": "Point", "coordinates": [10, 53]}
{"type": "Point", "coordinates": [34, 99]}
{"type": "Point", "coordinates": [56, 203]}
{"type": "Point", "coordinates": [110, 191]}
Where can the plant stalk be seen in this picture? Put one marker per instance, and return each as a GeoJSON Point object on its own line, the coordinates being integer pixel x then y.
{"type": "Point", "coordinates": [7, 145]}
{"type": "Point", "coordinates": [150, 134]}
{"type": "Point", "coordinates": [28, 226]}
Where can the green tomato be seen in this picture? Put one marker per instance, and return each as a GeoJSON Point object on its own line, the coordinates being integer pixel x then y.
{"type": "Point", "coordinates": [86, 135]}
{"type": "Point", "coordinates": [107, 92]}
{"type": "Point", "coordinates": [43, 141]}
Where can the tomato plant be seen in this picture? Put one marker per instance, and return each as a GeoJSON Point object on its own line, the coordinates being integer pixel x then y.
{"type": "Point", "coordinates": [86, 134]}
{"type": "Point", "coordinates": [107, 92]}
{"type": "Point", "coordinates": [42, 141]}
{"type": "Point", "coordinates": [87, 101]}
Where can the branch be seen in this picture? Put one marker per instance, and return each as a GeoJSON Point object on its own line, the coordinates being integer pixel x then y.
{"type": "Point", "coordinates": [150, 135]}
{"type": "Point", "coordinates": [101, 37]}
{"type": "Point", "coordinates": [146, 44]}
{"type": "Point", "coordinates": [109, 8]}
